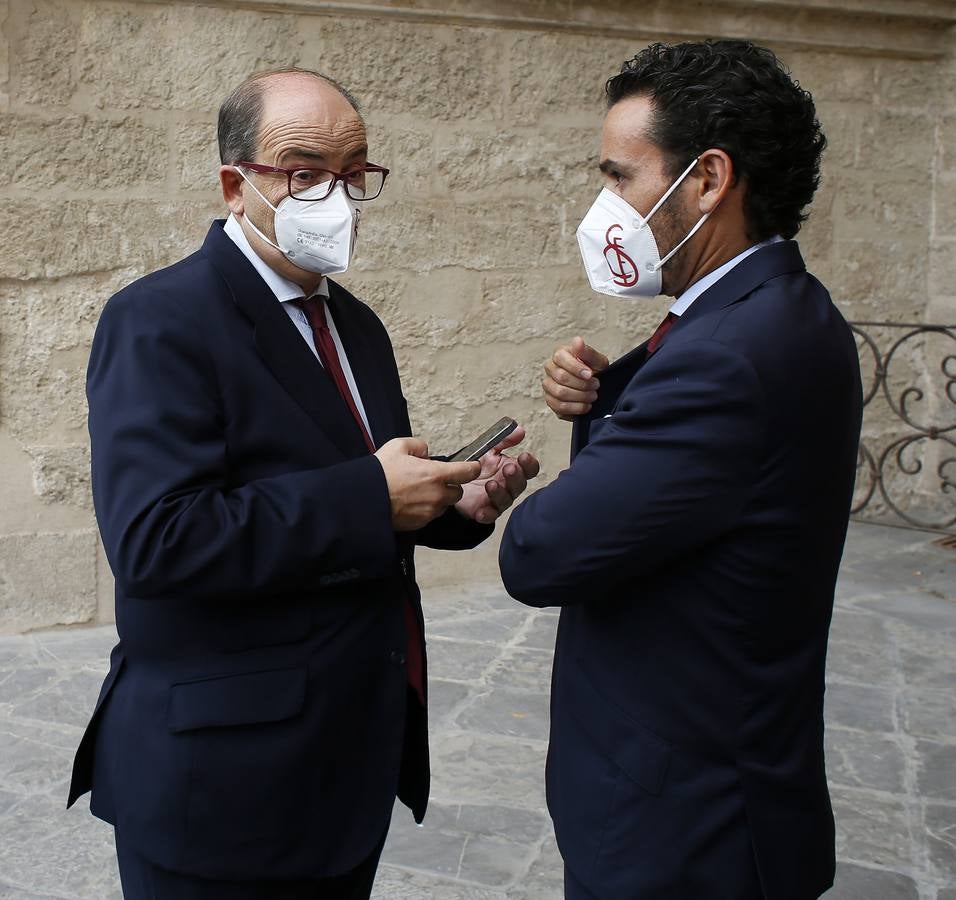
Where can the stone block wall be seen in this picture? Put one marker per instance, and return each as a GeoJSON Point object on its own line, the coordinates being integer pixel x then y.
{"type": "Point", "coordinates": [488, 114]}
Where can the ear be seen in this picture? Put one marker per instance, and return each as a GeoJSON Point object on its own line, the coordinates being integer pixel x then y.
{"type": "Point", "coordinates": [717, 177]}
{"type": "Point", "coordinates": [231, 182]}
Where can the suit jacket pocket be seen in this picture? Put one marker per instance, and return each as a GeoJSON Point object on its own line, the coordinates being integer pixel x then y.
{"type": "Point", "coordinates": [246, 698]}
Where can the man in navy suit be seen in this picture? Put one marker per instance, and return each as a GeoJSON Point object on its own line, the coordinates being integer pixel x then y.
{"type": "Point", "coordinates": [259, 496]}
{"type": "Point", "coordinates": [694, 542]}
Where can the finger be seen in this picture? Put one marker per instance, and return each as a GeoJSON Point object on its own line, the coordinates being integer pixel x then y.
{"type": "Point", "coordinates": [458, 472]}
{"type": "Point", "coordinates": [510, 479]}
{"type": "Point", "coordinates": [420, 448]}
{"type": "Point", "coordinates": [529, 465]}
{"type": "Point", "coordinates": [453, 493]}
{"type": "Point", "coordinates": [567, 409]}
{"type": "Point", "coordinates": [515, 482]}
{"type": "Point", "coordinates": [516, 437]}
{"type": "Point", "coordinates": [409, 446]}
{"type": "Point", "coordinates": [486, 514]}
{"type": "Point", "coordinates": [562, 393]}
{"type": "Point", "coordinates": [588, 355]}
{"type": "Point", "coordinates": [569, 377]}
{"type": "Point", "coordinates": [564, 360]}
{"type": "Point", "coordinates": [498, 496]}
{"type": "Point", "coordinates": [566, 369]}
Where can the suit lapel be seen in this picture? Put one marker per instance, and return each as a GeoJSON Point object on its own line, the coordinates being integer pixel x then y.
{"type": "Point", "coordinates": [281, 347]}
{"type": "Point", "coordinates": [769, 262]}
{"type": "Point", "coordinates": [366, 367]}
{"type": "Point", "coordinates": [613, 381]}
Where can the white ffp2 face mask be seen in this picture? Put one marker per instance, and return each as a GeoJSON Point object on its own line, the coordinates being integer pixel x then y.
{"type": "Point", "coordinates": [617, 245]}
{"type": "Point", "coordinates": [316, 235]}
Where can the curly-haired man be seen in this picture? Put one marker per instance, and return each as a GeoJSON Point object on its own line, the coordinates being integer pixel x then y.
{"type": "Point", "coordinates": [694, 542]}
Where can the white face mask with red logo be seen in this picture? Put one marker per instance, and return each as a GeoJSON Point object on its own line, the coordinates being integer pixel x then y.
{"type": "Point", "coordinates": [618, 247]}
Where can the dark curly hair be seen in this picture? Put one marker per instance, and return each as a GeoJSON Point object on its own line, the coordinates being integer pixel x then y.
{"type": "Point", "coordinates": [739, 98]}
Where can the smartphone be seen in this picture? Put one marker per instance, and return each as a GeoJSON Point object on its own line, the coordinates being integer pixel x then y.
{"type": "Point", "coordinates": [485, 441]}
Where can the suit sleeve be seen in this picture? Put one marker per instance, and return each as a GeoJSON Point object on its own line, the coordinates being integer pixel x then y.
{"type": "Point", "coordinates": [670, 471]}
{"type": "Point", "coordinates": [169, 521]}
{"type": "Point", "coordinates": [452, 531]}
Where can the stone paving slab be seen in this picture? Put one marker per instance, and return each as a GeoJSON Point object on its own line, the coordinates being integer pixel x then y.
{"type": "Point", "coordinates": [891, 744]}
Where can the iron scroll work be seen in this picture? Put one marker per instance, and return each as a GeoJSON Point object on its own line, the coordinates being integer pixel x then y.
{"type": "Point", "coordinates": [906, 465]}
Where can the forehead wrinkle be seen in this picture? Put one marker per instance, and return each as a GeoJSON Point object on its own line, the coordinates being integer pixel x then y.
{"type": "Point", "coordinates": [325, 139]}
{"type": "Point", "coordinates": [308, 113]}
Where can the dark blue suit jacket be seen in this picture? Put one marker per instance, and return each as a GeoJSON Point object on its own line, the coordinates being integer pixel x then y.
{"type": "Point", "coordinates": [253, 723]}
{"type": "Point", "coordinates": [694, 545]}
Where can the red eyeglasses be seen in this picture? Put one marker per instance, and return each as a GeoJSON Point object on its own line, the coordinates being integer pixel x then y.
{"type": "Point", "coordinates": [365, 183]}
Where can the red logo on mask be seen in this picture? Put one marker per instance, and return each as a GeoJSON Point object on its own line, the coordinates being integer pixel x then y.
{"type": "Point", "coordinates": [625, 274]}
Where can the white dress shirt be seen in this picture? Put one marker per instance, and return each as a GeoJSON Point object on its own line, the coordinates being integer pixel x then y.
{"type": "Point", "coordinates": [682, 303]}
{"type": "Point", "coordinates": [286, 291]}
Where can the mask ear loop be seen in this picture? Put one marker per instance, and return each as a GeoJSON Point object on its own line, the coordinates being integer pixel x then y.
{"type": "Point", "coordinates": [252, 224]}
{"type": "Point", "coordinates": [669, 191]}
{"type": "Point", "coordinates": [663, 200]}
{"type": "Point", "coordinates": [690, 234]}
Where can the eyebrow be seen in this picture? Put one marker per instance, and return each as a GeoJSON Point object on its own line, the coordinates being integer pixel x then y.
{"type": "Point", "coordinates": [320, 157]}
{"type": "Point", "coordinates": [305, 154]}
{"type": "Point", "coordinates": [609, 165]}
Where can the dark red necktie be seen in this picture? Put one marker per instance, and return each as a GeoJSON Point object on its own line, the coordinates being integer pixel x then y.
{"type": "Point", "coordinates": [660, 331]}
{"type": "Point", "coordinates": [314, 309]}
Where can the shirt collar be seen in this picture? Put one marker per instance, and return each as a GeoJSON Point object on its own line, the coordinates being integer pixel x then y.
{"type": "Point", "coordinates": [284, 289]}
{"type": "Point", "coordinates": [682, 303]}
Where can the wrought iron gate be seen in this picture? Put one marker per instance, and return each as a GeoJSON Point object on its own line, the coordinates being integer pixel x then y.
{"type": "Point", "coordinates": [906, 470]}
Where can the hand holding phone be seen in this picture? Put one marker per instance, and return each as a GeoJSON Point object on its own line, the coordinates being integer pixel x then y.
{"type": "Point", "coordinates": [502, 479]}
{"type": "Point", "coordinates": [420, 489]}
{"type": "Point", "coordinates": [485, 441]}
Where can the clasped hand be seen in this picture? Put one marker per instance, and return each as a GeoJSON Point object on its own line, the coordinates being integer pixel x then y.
{"type": "Point", "coordinates": [421, 489]}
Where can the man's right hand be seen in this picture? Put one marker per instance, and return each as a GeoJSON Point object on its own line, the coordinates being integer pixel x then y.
{"type": "Point", "coordinates": [569, 383]}
{"type": "Point", "coordinates": [421, 489]}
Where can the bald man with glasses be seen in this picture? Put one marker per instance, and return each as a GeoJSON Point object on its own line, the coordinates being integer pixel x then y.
{"type": "Point", "coordinates": [259, 495]}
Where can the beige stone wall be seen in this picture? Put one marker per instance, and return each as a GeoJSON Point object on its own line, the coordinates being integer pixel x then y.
{"type": "Point", "coordinates": [488, 114]}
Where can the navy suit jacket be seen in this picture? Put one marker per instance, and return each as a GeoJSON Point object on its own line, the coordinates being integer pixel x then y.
{"type": "Point", "coordinates": [693, 545]}
{"type": "Point", "coordinates": [255, 720]}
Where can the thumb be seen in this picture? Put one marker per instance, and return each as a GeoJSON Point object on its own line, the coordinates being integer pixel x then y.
{"type": "Point", "coordinates": [416, 447]}
{"type": "Point", "coordinates": [588, 355]}
{"type": "Point", "coordinates": [460, 472]}
{"type": "Point", "coordinates": [407, 446]}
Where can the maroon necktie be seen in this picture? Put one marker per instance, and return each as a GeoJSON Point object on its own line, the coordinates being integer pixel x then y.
{"type": "Point", "coordinates": [314, 309]}
{"type": "Point", "coordinates": [660, 331]}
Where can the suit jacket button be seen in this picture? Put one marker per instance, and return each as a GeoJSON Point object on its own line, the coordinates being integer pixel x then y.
{"type": "Point", "coordinates": [397, 657]}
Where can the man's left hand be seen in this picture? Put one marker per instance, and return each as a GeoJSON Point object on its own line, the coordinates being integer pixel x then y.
{"type": "Point", "coordinates": [501, 480]}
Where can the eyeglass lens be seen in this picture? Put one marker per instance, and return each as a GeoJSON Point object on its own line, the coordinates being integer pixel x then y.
{"type": "Point", "coordinates": [361, 185]}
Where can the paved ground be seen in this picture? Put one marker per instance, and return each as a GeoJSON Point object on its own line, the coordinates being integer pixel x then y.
{"type": "Point", "coordinates": [891, 744]}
